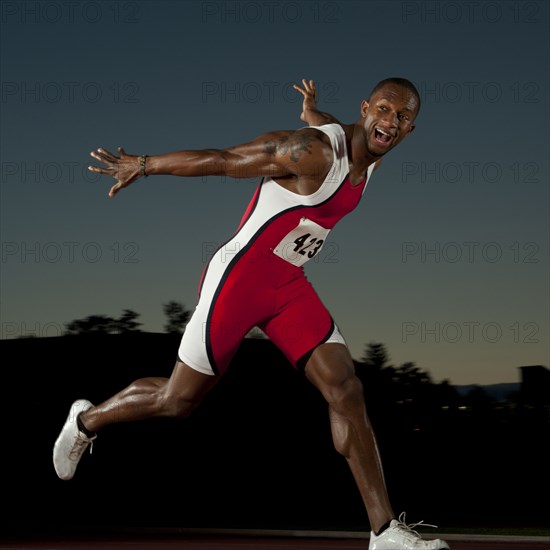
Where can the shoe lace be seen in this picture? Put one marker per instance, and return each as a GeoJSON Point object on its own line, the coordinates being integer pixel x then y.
{"type": "Point", "coordinates": [410, 528]}
{"type": "Point", "coordinates": [80, 442]}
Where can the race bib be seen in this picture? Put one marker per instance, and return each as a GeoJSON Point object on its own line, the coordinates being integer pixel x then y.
{"type": "Point", "coordinates": [302, 243]}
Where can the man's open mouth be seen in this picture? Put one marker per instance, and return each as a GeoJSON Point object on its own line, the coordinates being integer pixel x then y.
{"type": "Point", "coordinates": [382, 136]}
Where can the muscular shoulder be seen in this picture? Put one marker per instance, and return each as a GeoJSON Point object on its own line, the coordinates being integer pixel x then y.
{"type": "Point", "coordinates": [305, 148]}
{"type": "Point", "coordinates": [306, 155]}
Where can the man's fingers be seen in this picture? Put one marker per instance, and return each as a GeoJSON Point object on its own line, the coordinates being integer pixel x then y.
{"type": "Point", "coordinates": [308, 90]}
{"type": "Point", "coordinates": [305, 86]}
{"type": "Point", "coordinates": [308, 86]}
{"type": "Point", "coordinates": [99, 170]}
{"type": "Point", "coordinates": [115, 189]}
{"type": "Point", "coordinates": [107, 155]}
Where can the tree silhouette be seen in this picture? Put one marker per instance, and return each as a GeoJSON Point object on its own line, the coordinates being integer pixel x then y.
{"type": "Point", "coordinates": [94, 324]}
{"type": "Point", "coordinates": [409, 375]}
{"type": "Point", "coordinates": [103, 324]}
{"type": "Point", "coordinates": [177, 317]}
{"type": "Point", "coordinates": [127, 322]}
{"type": "Point", "coordinates": [376, 356]}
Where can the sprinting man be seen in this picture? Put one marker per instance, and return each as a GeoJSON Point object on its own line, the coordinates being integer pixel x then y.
{"type": "Point", "coordinates": [311, 178]}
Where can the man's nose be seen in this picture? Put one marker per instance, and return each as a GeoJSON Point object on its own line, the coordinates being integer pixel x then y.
{"type": "Point", "coordinates": [391, 119]}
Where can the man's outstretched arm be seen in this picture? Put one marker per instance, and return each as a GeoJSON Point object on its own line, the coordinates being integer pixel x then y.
{"type": "Point", "coordinates": [310, 113]}
{"type": "Point", "coordinates": [283, 153]}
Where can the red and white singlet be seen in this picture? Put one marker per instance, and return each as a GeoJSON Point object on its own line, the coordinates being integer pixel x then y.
{"type": "Point", "coordinates": [257, 279]}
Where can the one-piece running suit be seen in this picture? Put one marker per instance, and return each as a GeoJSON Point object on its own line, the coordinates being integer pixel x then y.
{"type": "Point", "coordinates": [256, 279]}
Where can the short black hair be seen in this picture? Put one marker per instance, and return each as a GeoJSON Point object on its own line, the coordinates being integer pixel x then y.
{"type": "Point", "coordinates": [400, 82]}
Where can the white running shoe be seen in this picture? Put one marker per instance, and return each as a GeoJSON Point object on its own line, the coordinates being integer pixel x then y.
{"type": "Point", "coordinates": [71, 443]}
{"type": "Point", "coordinates": [400, 536]}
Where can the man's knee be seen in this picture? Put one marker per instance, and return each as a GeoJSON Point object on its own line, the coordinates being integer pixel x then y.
{"type": "Point", "coordinates": [348, 396]}
{"type": "Point", "coordinates": [347, 412]}
{"type": "Point", "coordinates": [332, 370]}
{"type": "Point", "coordinates": [185, 390]}
{"type": "Point", "coordinates": [178, 406]}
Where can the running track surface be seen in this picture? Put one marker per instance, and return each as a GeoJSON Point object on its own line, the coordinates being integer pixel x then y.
{"type": "Point", "coordinates": [223, 542]}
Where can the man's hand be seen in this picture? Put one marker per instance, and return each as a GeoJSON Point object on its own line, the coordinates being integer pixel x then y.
{"type": "Point", "coordinates": [310, 113]}
{"type": "Point", "coordinates": [310, 98]}
{"type": "Point", "coordinates": [124, 169]}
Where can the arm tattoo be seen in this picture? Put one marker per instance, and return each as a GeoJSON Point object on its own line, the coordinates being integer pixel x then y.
{"type": "Point", "coordinates": [297, 144]}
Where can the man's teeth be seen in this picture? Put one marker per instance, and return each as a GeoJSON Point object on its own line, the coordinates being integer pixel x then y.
{"type": "Point", "coordinates": [385, 133]}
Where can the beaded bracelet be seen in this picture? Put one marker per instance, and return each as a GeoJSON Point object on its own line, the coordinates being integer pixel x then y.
{"type": "Point", "coordinates": [142, 165]}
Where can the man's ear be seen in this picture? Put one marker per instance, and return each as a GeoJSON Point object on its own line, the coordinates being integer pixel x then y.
{"type": "Point", "coordinates": [364, 107]}
{"type": "Point", "coordinates": [411, 128]}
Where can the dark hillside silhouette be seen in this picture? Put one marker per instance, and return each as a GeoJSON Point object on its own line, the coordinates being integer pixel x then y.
{"type": "Point", "coordinates": [256, 459]}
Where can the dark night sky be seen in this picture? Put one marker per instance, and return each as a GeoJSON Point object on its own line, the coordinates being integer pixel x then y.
{"type": "Point", "coordinates": [446, 258]}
